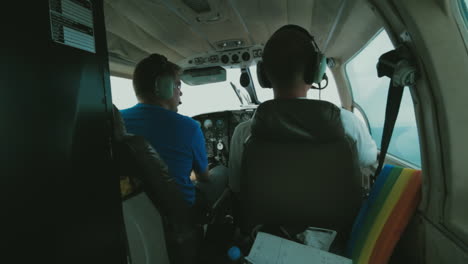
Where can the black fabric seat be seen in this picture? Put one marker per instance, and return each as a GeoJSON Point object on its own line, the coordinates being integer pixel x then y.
{"type": "Point", "coordinates": [156, 191]}
{"type": "Point", "coordinates": [299, 168]}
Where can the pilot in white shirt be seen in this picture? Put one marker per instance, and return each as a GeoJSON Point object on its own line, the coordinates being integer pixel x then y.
{"type": "Point", "coordinates": [291, 62]}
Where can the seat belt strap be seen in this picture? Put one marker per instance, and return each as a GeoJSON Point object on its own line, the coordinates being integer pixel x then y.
{"type": "Point", "coordinates": [395, 94]}
{"type": "Point", "coordinates": [399, 67]}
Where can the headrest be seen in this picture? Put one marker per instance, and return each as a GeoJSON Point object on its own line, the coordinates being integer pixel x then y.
{"type": "Point", "coordinates": [119, 125]}
{"type": "Point", "coordinates": [289, 120]}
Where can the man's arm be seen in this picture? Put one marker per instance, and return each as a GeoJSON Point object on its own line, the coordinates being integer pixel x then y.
{"type": "Point", "coordinates": [200, 160]}
{"type": "Point", "coordinates": [365, 144]}
{"type": "Point", "coordinates": [241, 132]}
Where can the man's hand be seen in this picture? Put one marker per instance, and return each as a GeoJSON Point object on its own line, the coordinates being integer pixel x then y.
{"type": "Point", "coordinates": [201, 177]}
{"type": "Point", "coordinates": [193, 177]}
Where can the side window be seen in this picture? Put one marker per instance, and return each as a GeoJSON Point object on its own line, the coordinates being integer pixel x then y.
{"type": "Point", "coordinates": [464, 10]}
{"type": "Point", "coordinates": [123, 95]}
{"type": "Point", "coordinates": [329, 94]}
{"type": "Point", "coordinates": [370, 93]}
{"type": "Point", "coordinates": [461, 17]}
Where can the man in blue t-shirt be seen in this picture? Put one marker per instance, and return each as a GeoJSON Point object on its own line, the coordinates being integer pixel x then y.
{"type": "Point", "coordinates": [178, 139]}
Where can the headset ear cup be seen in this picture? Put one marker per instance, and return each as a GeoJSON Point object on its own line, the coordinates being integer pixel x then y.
{"type": "Point", "coordinates": [321, 68]}
{"type": "Point", "coordinates": [164, 87]}
{"type": "Point", "coordinates": [261, 76]}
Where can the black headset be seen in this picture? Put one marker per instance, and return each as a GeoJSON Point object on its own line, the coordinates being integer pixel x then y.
{"type": "Point", "coordinates": [163, 85]}
{"type": "Point", "coordinates": [314, 70]}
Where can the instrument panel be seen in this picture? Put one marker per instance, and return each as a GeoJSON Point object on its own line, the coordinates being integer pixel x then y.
{"type": "Point", "coordinates": [218, 128]}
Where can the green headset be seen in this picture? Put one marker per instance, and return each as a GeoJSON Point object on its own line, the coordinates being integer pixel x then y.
{"type": "Point", "coordinates": [163, 85]}
{"type": "Point", "coordinates": [314, 70]}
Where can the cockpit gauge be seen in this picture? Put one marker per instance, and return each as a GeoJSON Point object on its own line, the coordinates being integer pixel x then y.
{"type": "Point", "coordinates": [220, 145]}
{"type": "Point", "coordinates": [208, 135]}
{"type": "Point", "coordinates": [219, 123]}
{"type": "Point", "coordinates": [207, 124]}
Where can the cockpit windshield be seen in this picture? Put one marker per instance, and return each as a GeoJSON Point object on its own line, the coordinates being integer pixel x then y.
{"type": "Point", "coordinates": [195, 99]}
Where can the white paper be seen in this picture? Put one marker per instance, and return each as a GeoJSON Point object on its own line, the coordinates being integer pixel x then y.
{"type": "Point", "coordinates": [319, 238]}
{"type": "Point", "coordinates": [269, 249]}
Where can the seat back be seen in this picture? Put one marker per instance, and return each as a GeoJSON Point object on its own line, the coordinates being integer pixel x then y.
{"type": "Point", "coordinates": [145, 231]}
{"type": "Point", "coordinates": [158, 220]}
{"type": "Point", "coordinates": [384, 215]}
{"type": "Point", "coordinates": [299, 168]}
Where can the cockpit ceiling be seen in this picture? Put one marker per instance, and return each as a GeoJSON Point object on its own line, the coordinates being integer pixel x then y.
{"type": "Point", "coordinates": [183, 28]}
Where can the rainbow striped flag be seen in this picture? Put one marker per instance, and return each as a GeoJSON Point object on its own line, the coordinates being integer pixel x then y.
{"type": "Point", "coordinates": [384, 215]}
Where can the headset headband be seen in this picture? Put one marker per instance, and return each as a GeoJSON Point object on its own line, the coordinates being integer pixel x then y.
{"type": "Point", "coordinates": [302, 30]}
{"type": "Point", "coordinates": [314, 71]}
{"type": "Point", "coordinates": [159, 60]}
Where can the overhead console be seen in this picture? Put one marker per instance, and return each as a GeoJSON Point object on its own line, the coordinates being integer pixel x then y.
{"type": "Point", "coordinates": [240, 57]}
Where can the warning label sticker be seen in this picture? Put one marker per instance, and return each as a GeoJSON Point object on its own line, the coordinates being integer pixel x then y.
{"type": "Point", "coordinates": [71, 23]}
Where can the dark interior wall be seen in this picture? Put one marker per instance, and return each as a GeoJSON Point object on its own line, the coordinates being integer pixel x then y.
{"type": "Point", "coordinates": [59, 198]}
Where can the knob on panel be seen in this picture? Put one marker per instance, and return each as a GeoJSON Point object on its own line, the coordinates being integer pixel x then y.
{"type": "Point", "coordinates": [235, 58]}
{"type": "Point", "coordinates": [225, 59]}
{"type": "Point", "coordinates": [246, 56]}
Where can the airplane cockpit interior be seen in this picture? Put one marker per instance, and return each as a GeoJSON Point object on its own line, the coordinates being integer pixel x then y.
{"type": "Point", "coordinates": [365, 165]}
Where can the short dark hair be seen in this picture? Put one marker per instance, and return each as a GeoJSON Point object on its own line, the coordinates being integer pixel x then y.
{"type": "Point", "coordinates": [286, 55]}
{"type": "Point", "coordinates": [150, 68]}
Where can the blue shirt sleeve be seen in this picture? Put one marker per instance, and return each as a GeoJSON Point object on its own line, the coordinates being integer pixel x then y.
{"type": "Point", "coordinates": [200, 160]}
